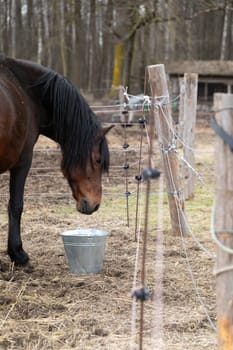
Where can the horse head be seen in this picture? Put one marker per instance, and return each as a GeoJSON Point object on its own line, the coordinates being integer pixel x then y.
{"type": "Point", "coordinates": [86, 182]}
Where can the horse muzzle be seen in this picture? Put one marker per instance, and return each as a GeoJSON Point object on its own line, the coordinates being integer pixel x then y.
{"type": "Point", "coordinates": [85, 207]}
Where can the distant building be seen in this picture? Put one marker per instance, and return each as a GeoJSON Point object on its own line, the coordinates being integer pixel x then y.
{"type": "Point", "coordinates": [213, 76]}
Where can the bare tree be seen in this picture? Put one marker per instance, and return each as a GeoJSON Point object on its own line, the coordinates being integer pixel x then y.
{"type": "Point", "coordinates": [97, 43]}
{"type": "Point", "coordinates": [225, 30]}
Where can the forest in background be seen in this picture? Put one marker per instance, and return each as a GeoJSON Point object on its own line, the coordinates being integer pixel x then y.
{"type": "Point", "coordinates": [98, 44]}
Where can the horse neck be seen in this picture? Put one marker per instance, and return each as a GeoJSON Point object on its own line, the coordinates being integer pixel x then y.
{"type": "Point", "coordinates": [65, 117]}
{"type": "Point", "coordinates": [25, 71]}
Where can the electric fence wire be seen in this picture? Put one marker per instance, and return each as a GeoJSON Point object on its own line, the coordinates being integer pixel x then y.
{"type": "Point", "coordinates": [183, 242]}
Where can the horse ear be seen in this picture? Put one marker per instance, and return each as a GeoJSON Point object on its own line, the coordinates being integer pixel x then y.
{"type": "Point", "coordinates": [106, 130]}
{"type": "Point", "coordinates": [103, 132]}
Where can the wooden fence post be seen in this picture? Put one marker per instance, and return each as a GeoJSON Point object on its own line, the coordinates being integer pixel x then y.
{"type": "Point", "coordinates": [190, 110]}
{"type": "Point", "coordinates": [187, 120]}
{"type": "Point", "coordinates": [180, 126]}
{"type": "Point", "coordinates": [165, 132]}
{"type": "Point", "coordinates": [223, 222]}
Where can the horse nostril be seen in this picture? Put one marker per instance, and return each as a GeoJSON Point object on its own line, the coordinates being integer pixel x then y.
{"type": "Point", "coordinates": [85, 206]}
{"type": "Point", "coordinates": [96, 207]}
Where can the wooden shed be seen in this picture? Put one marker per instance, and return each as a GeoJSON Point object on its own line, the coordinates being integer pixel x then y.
{"type": "Point", "coordinates": [213, 76]}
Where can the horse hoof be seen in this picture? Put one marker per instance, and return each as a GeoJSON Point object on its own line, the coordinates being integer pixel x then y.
{"type": "Point", "coordinates": [19, 258]}
{"type": "Point", "coordinates": [28, 268]}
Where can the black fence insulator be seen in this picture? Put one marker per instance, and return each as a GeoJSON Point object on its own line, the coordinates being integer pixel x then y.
{"type": "Point", "coordinates": [125, 145]}
{"type": "Point", "coordinates": [142, 120]}
{"type": "Point", "coordinates": [125, 112]}
{"type": "Point", "coordinates": [127, 193]}
{"type": "Point", "coordinates": [152, 173]}
{"type": "Point", "coordinates": [141, 293]}
{"type": "Point", "coordinates": [126, 166]}
{"type": "Point", "coordinates": [138, 178]}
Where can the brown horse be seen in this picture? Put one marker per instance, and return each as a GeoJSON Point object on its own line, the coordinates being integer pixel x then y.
{"type": "Point", "coordinates": [35, 100]}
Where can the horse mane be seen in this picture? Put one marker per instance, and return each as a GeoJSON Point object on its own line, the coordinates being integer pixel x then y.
{"type": "Point", "coordinates": [75, 125]}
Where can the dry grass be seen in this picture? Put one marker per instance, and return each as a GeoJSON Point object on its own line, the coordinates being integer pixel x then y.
{"type": "Point", "coordinates": [49, 308]}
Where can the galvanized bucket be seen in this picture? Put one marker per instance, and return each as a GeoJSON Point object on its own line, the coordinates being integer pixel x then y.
{"type": "Point", "coordinates": [85, 249]}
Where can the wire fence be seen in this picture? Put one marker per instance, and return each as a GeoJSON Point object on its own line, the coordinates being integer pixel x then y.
{"type": "Point", "coordinates": [46, 183]}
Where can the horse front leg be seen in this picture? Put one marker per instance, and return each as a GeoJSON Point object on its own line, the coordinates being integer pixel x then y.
{"type": "Point", "coordinates": [18, 177]}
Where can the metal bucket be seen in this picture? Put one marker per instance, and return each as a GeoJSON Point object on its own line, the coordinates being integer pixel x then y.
{"type": "Point", "coordinates": [85, 249]}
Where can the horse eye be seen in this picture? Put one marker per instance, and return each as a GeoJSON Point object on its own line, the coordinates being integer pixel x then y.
{"type": "Point", "coordinates": [98, 161]}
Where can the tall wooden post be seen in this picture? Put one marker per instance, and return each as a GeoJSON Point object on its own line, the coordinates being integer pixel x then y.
{"type": "Point", "coordinates": [180, 127]}
{"type": "Point", "coordinates": [165, 131]}
{"type": "Point", "coordinates": [223, 223]}
{"type": "Point", "coordinates": [188, 131]}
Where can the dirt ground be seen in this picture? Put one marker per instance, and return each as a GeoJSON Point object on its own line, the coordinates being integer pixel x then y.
{"type": "Point", "coordinates": [50, 308]}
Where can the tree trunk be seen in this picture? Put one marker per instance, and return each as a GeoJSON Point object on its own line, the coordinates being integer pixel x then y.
{"type": "Point", "coordinates": [223, 53]}
{"type": "Point", "coordinates": [13, 27]}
